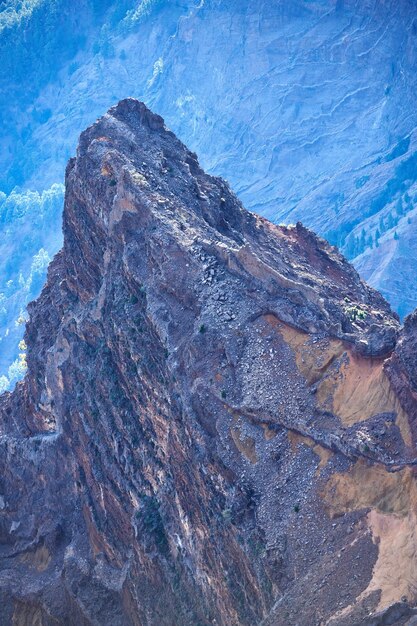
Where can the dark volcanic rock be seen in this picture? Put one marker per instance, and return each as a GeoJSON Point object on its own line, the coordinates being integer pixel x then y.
{"type": "Point", "coordinates": [207, 432]}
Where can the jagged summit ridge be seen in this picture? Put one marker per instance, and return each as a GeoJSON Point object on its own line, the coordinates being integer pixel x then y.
{"type": "Point", "coordinates": [136, 165]}
{"type": "Point", "coordinates": [206, 393]}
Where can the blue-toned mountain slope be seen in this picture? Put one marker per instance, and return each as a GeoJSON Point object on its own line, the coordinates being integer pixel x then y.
{"type": "Point", "coordinates": [306, 107]}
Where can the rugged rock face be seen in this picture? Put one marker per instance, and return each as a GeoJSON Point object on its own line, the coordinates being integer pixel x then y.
{"type": "Point", "coordinates": [217, 423]}
{"type": "Point", "coordinates": [323, 108]}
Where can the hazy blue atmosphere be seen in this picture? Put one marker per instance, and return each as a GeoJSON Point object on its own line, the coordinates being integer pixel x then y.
{"type": "Point", "coordinates": [308, 109]}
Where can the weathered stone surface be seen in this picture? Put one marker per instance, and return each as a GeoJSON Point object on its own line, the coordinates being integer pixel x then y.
{"type": "Point", "coordinates": [211, 429]}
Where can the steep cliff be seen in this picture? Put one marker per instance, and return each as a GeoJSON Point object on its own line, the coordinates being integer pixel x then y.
{"type": "Point", "coordinates": [217, 422]}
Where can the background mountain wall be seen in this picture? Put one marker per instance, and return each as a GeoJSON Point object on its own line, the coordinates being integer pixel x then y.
{"type": "Point", "coordinates": [307, 108]}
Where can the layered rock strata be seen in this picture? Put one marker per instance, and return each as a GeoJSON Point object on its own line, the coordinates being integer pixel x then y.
{"type": "Point", "coordinates": [217, 425]}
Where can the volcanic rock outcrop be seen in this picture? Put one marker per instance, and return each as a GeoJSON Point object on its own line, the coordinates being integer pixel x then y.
{"type": "Point", "coordinates": [217, 425]}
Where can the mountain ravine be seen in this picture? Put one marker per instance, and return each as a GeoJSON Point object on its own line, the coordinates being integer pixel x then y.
{"type": "Point", "coordinates": [217, 425]}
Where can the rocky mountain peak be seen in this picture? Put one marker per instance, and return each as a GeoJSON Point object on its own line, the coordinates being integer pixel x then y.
{"type": "Point", "coordinates": [216, 425]}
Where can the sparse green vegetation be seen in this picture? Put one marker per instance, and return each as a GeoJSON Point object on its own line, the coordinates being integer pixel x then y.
{"type": "Point", "coordinates": [399, 204]}
{"type": "Point", "coordinates": [26, 218]}
{"type": "Point", "coordinates": [355, 313]}
{"type": "Point", "coordinates": [227, 515]}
